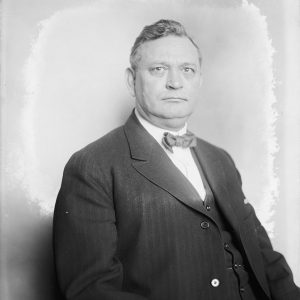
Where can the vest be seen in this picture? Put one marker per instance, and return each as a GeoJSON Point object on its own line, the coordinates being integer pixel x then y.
{"type": "Point", "coordinates": [240, 281]}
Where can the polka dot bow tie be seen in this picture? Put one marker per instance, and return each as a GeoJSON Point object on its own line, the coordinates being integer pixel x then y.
{"type": "Point", "coordinates": [185, 141]}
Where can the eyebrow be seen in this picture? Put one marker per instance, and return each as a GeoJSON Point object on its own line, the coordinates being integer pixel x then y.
{"type": "Point", "coordinates": [168, 64]}
{"type": "Point", "coordinates": [190, 64]}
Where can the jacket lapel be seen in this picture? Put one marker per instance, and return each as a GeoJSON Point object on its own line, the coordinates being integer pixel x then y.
{"type": "Point", "coordinates": [216, 176]}
{"type": "Point", "coordinates": [151, 161]}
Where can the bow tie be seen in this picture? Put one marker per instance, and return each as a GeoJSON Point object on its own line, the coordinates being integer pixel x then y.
{"type": "Point", "coordinates": [187, 140]}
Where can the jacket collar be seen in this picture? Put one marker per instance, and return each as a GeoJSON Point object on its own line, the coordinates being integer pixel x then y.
{"type": "Point", "coordinates": [151, 161]}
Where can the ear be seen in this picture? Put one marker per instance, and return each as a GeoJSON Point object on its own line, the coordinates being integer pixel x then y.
{"type": "Point", "coordinates": [130, 80]}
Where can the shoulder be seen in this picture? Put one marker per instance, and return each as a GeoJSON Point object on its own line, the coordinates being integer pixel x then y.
{"type": "Point", "coordinates": [106, 144]}
{"type": "Point", "coordinates": [207, 145]}
{"type": "Point", "coordinates": [101, 151]}
{"type": "Point", "coordinates": [214, 150]}
{"type": "Point", "coordinates": [214, 153]}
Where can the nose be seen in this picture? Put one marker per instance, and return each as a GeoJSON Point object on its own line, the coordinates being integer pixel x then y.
{"type": "Point", "coordinates": [174, 80]}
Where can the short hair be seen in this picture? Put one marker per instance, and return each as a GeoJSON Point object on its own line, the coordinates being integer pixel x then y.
{"type": "Point", "coordinates": [159, 29]}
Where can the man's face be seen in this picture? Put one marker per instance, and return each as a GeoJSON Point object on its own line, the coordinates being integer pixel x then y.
{"type": "Point", "coordinates": [167, 81]}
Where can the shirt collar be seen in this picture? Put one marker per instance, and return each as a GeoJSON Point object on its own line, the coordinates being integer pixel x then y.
{"type": "Point", "coordinates": [155, 131]}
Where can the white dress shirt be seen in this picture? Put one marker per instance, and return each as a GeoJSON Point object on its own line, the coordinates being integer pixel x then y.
{"type": "Point", "coordinates": [181, 157]}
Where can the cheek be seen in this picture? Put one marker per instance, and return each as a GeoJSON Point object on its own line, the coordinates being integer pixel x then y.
{"type": "Point", "coordinates": [194, 89]}
{"type": "Point", "coordinates": [151, 91]}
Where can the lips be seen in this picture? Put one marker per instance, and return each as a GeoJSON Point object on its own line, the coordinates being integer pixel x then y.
{"type": "Point", "coordinates": [174, 98]}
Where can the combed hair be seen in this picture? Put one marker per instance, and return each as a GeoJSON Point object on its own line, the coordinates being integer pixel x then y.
{"type": "Point", "coordinates": [159, 29]}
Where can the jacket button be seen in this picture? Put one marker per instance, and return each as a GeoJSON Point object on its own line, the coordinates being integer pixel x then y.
{"type": "Point", "coordinates": [226, 246]}
{"type": "Point", "coordinates": [204, 225]}
{"type": "Point", "coordinates": [215, 282]}
{"type": "Point", "coordinates": [242, 290]}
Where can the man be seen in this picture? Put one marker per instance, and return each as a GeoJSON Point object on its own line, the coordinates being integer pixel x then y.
{"type": "Point", "coordinates": [149, 211]}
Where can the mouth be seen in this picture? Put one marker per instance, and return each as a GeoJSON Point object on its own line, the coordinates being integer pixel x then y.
{"type": "Point", "coordinates": [174, 99]}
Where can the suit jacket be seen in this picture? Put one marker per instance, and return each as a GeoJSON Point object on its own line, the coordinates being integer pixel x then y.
{"type": "Point", "coordinates": [127, 225]}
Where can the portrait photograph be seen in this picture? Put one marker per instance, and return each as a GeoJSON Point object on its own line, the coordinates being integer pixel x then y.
{"type": "Point", "coordinates": [150, 150]}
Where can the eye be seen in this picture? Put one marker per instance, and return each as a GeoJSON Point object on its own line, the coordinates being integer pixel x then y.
{"type": "Point", "coordinates": [158, 70]}
{"type": "Point", "coordinates": [188, 70]}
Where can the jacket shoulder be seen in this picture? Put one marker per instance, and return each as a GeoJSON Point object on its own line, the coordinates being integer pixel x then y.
{"type": "Point", "coordinates": [105, 149]}
{"type": "Point", "coordinates": [211, 147]}
{"type": "Point", "coordinates": [108, 142]}
{"type": "Point", "coordinates": [216, 152]}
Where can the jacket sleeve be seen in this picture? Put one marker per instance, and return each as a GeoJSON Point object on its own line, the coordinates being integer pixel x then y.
{"type": "Point", "coordinates": [85, 235]}
{"type": "Point", "coordinates": [278, 273]}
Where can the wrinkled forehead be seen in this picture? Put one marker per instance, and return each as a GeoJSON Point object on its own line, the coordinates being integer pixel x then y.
{"type": "Point", "coordinates": [170, 49]}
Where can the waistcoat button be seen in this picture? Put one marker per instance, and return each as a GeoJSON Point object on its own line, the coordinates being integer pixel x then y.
{"type": "Point", "coordinates": [204, 225]}
{"type": "Point", "coordinates": [215, 282]}
{"type": "Point", "coordinates": [208, 208]}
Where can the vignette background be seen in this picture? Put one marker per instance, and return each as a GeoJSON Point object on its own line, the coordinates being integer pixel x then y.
{"type": "Point", "coordinates": [62, 86]}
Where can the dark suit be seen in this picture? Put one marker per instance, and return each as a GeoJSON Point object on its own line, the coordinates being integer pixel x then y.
{"type": "Point", "coordinates": [127, 225]}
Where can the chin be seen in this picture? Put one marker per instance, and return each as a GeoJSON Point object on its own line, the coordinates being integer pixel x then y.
{"type": "Point", "coordinates": [179, 108]}
{"type": "Point", "coordinates": [177, 113]}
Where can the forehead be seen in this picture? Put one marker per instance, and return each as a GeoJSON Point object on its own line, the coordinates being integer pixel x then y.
{"type": "Point", "coordinates": [170, 49]}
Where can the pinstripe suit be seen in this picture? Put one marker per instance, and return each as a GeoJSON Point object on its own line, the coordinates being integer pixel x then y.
{"type": "Point", "coordinates": [127, 225]}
